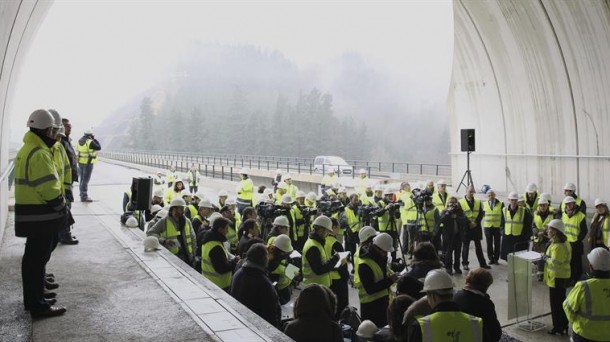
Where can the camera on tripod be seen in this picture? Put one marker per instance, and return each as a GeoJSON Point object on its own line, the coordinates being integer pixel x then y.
{"type": "Point", "coordinates": [330, 207]}
{"type": "Point", "coordinates": [268, 210]}
{"type": "Point", "coordinates": [420, 197]}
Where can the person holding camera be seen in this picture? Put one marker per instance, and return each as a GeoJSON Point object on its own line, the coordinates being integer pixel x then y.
{"type": "Point", "coordinates": [454, 224]}
{"type": "Point", "coordinates": [87, 156]}
{"type": "Point", "coordinates": [474, 213]}
{"type": "Point", "coordinates": [300, 216]}
{"type": "Point", "coordinates": [429, 218]}
{"type": "Point", "coordinates": [386, 217]}
{"type": "Point", "coordinates": [408, 217]}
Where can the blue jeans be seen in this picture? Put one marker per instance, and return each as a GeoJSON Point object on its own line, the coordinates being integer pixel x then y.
{"type": "Point", "coordinates": [85, 171]}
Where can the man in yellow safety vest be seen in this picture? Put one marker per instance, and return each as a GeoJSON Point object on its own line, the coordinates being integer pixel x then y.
{"type": "Point", "coordinates": [87, 156]}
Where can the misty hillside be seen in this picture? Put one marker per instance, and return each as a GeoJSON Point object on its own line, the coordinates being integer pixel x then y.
{"type": "Point", "coordinates": [241, 99]}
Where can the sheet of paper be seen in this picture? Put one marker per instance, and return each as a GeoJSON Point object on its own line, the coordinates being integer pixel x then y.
{"type": "Point", "coordinates": [291, 271]}
{"type": "Point", "coordinates": [342, 255]}
{"type": "Point", "coordinates": [295, 254]}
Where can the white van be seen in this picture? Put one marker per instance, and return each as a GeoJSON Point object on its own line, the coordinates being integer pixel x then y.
{"type": "Point", "coordinates": [325, 163]}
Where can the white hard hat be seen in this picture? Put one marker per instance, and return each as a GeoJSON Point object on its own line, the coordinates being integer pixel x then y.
{"type": "Point", "coordinates": [40, 119]}
{"type": "Point", "coordinates": [244, 171]}
{"type": "Point", "coordinates": [222, 193]}
{"type": "Point", "coordinates": [177, 202]}
{"type": "Point", "coordinates": [286, 199]}
{"type": "Point", "coordinates": [366, 233]}
{"type": "Point", "coordinates": [185, 193]}
{"type": "Point", "coordinates": [62, 131]}
{"type": "Point", "coordinates": [88, 131]}
{"type": "Point", "coordinates": [513, 196]}
{"type": "Point", "coordinates": [56, 119]}
{"type": "Point", "coordinates": [437, 280]}
{"type": "Point", "coordinates": [521, 198]}
{"type": "Point", "coordinates": [367, 329]}
{"type": "Point", "coordinates": [324, 222]}
{"type": "Point", "coordinates": [441, 182]}
{"type": "Point", "coordinates": [599, 201]}
{"type": "Point", "coordinates": [162, 213]}
{"type": "Point", "coordinates": [387, 191]}
{"type": "Point", "coordinates": [213, 217]}
{"type": "Point", "coordinates": [158, 193]}
{"type": "Point", "coordinates": [570, 186]}
{"type": "Point", "coordinates": [205, 203]}
{"type": "Point", "coordinates": [199, 195]}
{"type": "Point", "coordinates": [557, 224]}
{"type": "Point", "coordinates": [132, 222]}
{"type": "Point", "coordinates": [531, 187]}
{"type": "Point", "coordinates": [543, 201]}
{"type": "Point", "coordinates": [282, 185]}
{"type": "Point", "coordinates": [311, 197]}
{"type": "Point", "coordinates": [599, 258]}
{"type": "Point", "coordinates": [268, 192]}
{"type": "Point", "coordinates": [362, 171]}
{"type": "Point", "coordinates": [287, 176]}
{"type": "Point", "coordinates": [281, 221]}
{"type": "Point", "coordinates": [300, 194]}
{"type": "Point", "coordinates": [283, 243]}
{"type": "Point", "coordinates": [546, 196]}
{"type": "Point", "coordinates": [230, 201]}
{"type": "Point", "coordinates": [378, 187]}
{"type": "Point", "coordinates": [384, 241]}
{"type": "Point", "coordinates": [569, 199]}
{"type": "Point", "coordinates": [490, 190]}
{"type": "Point", "coordinates": [155, 209]}
{"type": "Point", "coordinates": [151, 244]}
{"type": "Point", "coordinates": [342, 189]}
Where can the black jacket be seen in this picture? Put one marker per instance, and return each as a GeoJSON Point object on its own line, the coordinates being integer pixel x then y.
{"type": "Point", "coordinates": [367, 278]}
{"type": "Point", "coordinates": [454, 224]}
{"type": "Point", "coordinates": [66, 141]}
{"type": "Point", "coordinates": [251, 287]}
{"type": "Point", "coordinates": [217, 255]}
{"type": "Point", "coordinates": [315, 259]}
{"type": "Point", "coordinates": [480, 305]}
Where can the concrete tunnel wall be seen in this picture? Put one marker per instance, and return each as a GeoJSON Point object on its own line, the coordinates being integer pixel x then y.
{"type": "Point", "coordinates": [19, 21]}
{"type": "Point", "coordinates": [533, 79]}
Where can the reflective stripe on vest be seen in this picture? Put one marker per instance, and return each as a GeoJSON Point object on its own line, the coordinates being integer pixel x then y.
{"type": "Point", "coordinates": [557, 264]}
{"type": "Point", "coordinates": [171, 233]}
{"type": "Point", "coordinates": [473, 213]}
{"type": "Point", "coordinates": [352, 220]}
{"type": "Point", "coordinates": [357, 266]}
{"type": "Point", "coordinates": [309, 277]}
{"type": "Point", "coordinates": [222, 280]}
{"type": "Point", "coordinates": [591, 311]}
{"type": "Point", "coordinates": [378, 275]}
{"type": "Point", "coordinates": [427, 221]}
{"type": "Point", "coordinates": [513, 225]}
{"type": "Point", "coordinates": [572, 225]}
{"type": "Point", "coordinates": [493, 217]}
{"type": "Point", "coordinates": [328, 248]}
{"type": "Point", "coordinates": [451, 326]}
{"type": "Point", "coordinates": [540, 224]}
{"type": "Point", "coordinates": [85, 154]}
{"type": "Point", "coordinates": [280, 270]}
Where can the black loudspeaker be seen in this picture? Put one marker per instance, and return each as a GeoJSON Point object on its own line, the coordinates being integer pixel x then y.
{"type": "Point", "coordinates": [467, 140]}
{"type": "Point", "coordinates": [141, 193]}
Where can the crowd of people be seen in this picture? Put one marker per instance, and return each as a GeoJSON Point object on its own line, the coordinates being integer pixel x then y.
{"type": "Point", "coordinates": [381, 228]}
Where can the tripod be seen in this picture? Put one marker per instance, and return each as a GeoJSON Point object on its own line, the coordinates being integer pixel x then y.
{"type": "Point", "coordinates": [391, 227]}
{"type": "Point", "coordinates": [467, 174]}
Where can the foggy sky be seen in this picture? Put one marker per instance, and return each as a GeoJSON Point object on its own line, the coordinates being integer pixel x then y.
{"type": "Point", "coordinates": [90, 57]}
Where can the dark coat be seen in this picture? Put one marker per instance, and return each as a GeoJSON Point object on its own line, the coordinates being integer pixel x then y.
{"type": "Point", "coordinates": [252, 287]}
{"type": "Point", "coordinates": [314, 312]}
{"type": "Point", "coordinates": [217, 255]}
{"type": "Point", "coordinates": [420, 269]}
{"type": "Point", "coordinates": [480, 305]}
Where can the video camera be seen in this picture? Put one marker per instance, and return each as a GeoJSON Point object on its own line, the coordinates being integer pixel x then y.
{"type": "Point", "coordinates": [330, 207]}
{"type": "Point", "coordinates": [367, 214]}
{"type": "Point", "coordinates": [420, 197]}
{"type": "Point", "coordinates": [267, 210]}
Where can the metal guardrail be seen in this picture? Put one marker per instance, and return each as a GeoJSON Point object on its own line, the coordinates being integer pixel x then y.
{"type": "Point", "coordinates": [211, 163]}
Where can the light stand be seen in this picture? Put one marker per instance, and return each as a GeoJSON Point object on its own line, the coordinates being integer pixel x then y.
{"type": "Point", "coordinates": [467, 174]}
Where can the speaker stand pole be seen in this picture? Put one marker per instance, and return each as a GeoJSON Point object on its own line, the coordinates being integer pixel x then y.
{"type": "Point", "coordinates": [467, 175]}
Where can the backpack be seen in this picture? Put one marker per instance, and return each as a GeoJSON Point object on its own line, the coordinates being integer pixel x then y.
{"type": "Point", "coordinates": [350, 320]}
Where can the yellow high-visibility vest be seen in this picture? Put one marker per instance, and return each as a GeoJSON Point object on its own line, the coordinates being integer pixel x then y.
{"type": "Point", "coordinates": [513, 225]}
{"type": "Point", "coordinates": [557, 264]}
{"type": "Point", "coordinates": [587, 308]}
{"type": "Point", "coordinates": [493, 217]}
{"type": "Point", "coordinates": [378, 275]}
{"type": "Point", "coordinates": [451, 326]}
{"type": "Point", "coordinates": [309, 277]}
{"type": "Point", "coordinates": [222, 280]}
{"type": "Point", "coordinates": [86, 155]}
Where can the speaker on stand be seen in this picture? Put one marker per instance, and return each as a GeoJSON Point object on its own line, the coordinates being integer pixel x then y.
{"type": "Point", "coordinates": [141, 195]}
{"type": "Point", "coordinates": [468, 146]}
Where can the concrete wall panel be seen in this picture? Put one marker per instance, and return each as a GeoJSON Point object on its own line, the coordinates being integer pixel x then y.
{"type": "Point", "coordinates": [547, 60]}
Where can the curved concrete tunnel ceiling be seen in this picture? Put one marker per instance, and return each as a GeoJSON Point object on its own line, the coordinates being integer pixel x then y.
{"type": "Point", "coordinates": [532, 78]}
